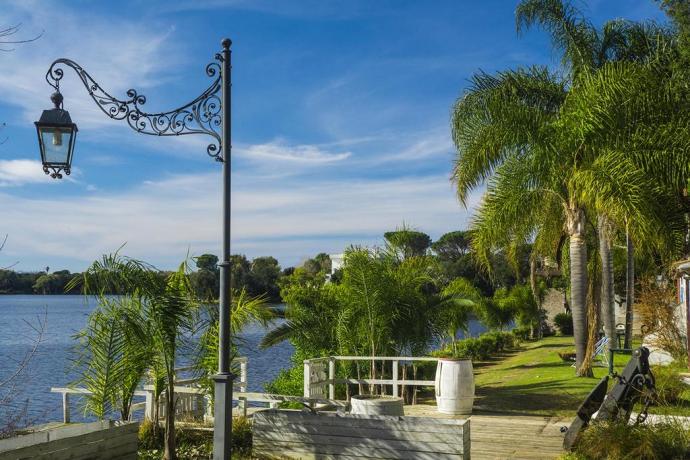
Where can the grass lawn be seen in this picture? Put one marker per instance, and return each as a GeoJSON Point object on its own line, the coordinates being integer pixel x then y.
{"type": "Point", "coordinates": [535, 381]}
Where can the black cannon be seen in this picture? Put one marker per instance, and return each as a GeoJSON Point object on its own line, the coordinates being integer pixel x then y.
{"type": "Point", "coordinates": [634, 384]}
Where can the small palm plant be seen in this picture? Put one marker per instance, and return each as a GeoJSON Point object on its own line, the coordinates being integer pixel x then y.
{"type": "Point", "coordinates": [139, 330]}
{"type": "Point", "coordinates": [111, 358]}
{"type": "Point", "coordinates": [460, 299]}
{"type": "Point", "coordinates": [245, 310]}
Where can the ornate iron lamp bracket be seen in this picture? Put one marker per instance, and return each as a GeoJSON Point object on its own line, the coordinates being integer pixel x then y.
{"type": "Point", "coordinates": [203, 115]}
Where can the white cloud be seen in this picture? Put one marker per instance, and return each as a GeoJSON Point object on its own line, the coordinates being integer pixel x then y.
{"type": "Point", "coordinates": [280, 150]}
{"type": "Point", "coordinates": [161, 220]}
{"type": "Point", "coordinates": [20, 172]}
{"type": "Point", "coordinates": [117, 52]}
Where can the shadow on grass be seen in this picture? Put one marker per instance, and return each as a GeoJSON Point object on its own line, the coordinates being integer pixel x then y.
{"type": "Point", "coordinates": [537, 365]}
{"type": "Point", "coordinates": [551, 345]}
{"type": "Point", "coordinates": [549, 398]}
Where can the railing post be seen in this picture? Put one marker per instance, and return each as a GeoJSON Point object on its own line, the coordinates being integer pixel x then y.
{"type": "Point", "coordinates": [395, 378]}
{"type": "Point", "coordinates": [148, 412]}
{"type": "Point", "coordinates": [307, 378]}
{"type": "Point", "coordinates": [243, 387]}
{"type": "Point", "coordinates": [208, 413]}
{"type": "Point", "coordinates": [331, 378]}
{"type": "Point", "coordinates": [243, 375]}
{"type": "Point", "coordinates": [65, 407]}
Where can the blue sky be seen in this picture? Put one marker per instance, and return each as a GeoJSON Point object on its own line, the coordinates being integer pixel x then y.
{"type": "Point", "coordinates": [340, 122]}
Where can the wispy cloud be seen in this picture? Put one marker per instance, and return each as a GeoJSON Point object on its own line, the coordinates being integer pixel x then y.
{"type": "Point", "coordinates": [161, 220]}
{"type": "Point", "coordinates": [281, 151]}
{"type": "Point", "coordinates": [118, 52]}
{"type": "Point", "coordinates": [305, 8]}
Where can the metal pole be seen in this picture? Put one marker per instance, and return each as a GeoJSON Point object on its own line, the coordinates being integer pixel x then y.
{"type": "Point", "coordinates": [222, 430]}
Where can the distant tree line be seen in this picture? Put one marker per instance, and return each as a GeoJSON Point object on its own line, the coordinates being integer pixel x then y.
{"type": "Point", "coordinates": [257, 277]}
{"type": "Point", "coordinates": [263, 275]}
{"type": "Point", "coordinates": [12, 282]}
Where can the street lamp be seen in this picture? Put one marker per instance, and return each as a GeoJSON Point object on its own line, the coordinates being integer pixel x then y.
{"type": "Point", "coordinates": [56, 135]}
{"type": "Point", "coordinates": [208, 114]}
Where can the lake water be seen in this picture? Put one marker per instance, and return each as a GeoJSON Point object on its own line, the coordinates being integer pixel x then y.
{"type": "Point", "coordinates": [65, 315]}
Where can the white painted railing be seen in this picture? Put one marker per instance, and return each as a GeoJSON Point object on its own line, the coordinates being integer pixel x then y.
{"type": "Point", "coordinates": [190, 399]}
{"type": "Point", "coordinates": [320, 373]}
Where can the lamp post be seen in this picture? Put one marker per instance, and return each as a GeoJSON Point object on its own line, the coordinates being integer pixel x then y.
{"type": "Point", "coordinates": [208, 114]}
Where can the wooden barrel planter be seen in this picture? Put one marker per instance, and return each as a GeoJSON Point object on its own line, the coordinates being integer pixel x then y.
{"type": "Point", "coordinates": [376, 405]}
{"type": "Point", "coordinates": [454, 386]}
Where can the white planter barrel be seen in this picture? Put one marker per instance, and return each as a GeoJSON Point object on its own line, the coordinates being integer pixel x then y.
{"type": "Point", "coordinates": [376, 405]}
{"type": "Point", "coordinates": [454, 386]}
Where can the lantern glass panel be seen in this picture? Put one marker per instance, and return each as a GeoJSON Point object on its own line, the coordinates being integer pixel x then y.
{"type": "Point", "coordinates": [56, 144]}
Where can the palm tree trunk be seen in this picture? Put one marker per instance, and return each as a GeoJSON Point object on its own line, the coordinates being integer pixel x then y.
{"type": "Point", "coordinates": [578, 282]}
{"type": "Point", "coordinates": [170, 453]}
{"type": "Point", "coordinates": [608, 312]}
{"type": "Point", "coordinates": [629, 290]}
{"type": "Point", "coordinates": [535, 294]}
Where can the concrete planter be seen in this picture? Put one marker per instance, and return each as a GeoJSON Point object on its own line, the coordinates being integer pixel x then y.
{"type": "Point", "coordinates": [376, 405]}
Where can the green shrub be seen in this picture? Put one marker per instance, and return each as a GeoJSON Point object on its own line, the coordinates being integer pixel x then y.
{"type": "Point", "coordinates": [192, 443]}
{"type": "Point", "coordinates": [150, 435]}
{"type": "Point", "coordinates": [489, 344]}
{"type": "Point", "coordinates": [564, 323]}
{"type": "Point", "coordinates": [480, 348]}
{"type": "Point", "coordinates": [288, 381]}
{"type": "Point", "coordinates": [474, 349]}
{"type": "Point", "coordinates": [502, 340]}
{"type": "Point", "coordinates": [242, 435]}
{"type": "Point", "coordinates": [522, 333]}
{"type": "Point", "coordinates": [618, 441]}
{"type": "Point", "coordinates": [669, 385]}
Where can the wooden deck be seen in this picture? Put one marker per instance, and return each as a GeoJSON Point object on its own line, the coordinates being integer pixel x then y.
{"type": "Point", "coordinates": [504, 436]}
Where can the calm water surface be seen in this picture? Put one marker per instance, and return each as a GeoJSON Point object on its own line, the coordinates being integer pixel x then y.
{"type": "Point", "coordinates": [65, 315]}
{"type": "Point", "coordinates": [50, 367]}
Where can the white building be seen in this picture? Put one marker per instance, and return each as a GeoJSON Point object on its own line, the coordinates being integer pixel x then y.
{"type": "Point", "coordinates": [336, 262]}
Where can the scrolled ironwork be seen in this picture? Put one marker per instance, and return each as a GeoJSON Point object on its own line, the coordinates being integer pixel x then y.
{"type": "Point", "coordinates": [203, 115]}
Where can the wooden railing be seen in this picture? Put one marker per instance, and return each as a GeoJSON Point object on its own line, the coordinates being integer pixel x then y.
{"type": "Point", "coordinates": [320, 373]}
{"type": "Point", "coordinates": [191, 399]}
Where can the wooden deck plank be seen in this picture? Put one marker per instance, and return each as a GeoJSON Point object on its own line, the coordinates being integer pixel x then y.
{"type": "Point", "coordinates": [493, 436]}
{"type": "Point", "coordinates": [507, 436]}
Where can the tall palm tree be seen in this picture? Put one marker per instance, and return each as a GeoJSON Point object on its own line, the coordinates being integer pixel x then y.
{"type": "Point", "coordinates": [548, 164]}
{"type": "Point", "coordinates": [505, 130]}
{"type": "Point", "coordinates": [584, 49]}
{"type": "Point", "coordinates": [509, 129]}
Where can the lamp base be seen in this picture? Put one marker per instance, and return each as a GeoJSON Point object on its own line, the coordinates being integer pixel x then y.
{"type": "Point", "coordinates": [222, 416]}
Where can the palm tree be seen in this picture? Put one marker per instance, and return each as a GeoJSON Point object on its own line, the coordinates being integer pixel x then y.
{"type": "Point", "coordinates": [504, 128]}
{"type": "Point", "coordinates": [110, 358]}
{"type": "Point", "coordinates": [245, 311]}
{"type": "Point", "coordinates": [165, 308]}
{"type": "Point", "coordinates": [585, 49]}
{"type": "Point", "coordinates": [459, 299]}
{"type": "Point", "coordinates": [383, 305]}
{"type": "Point", "coordinates": [543, 182]}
